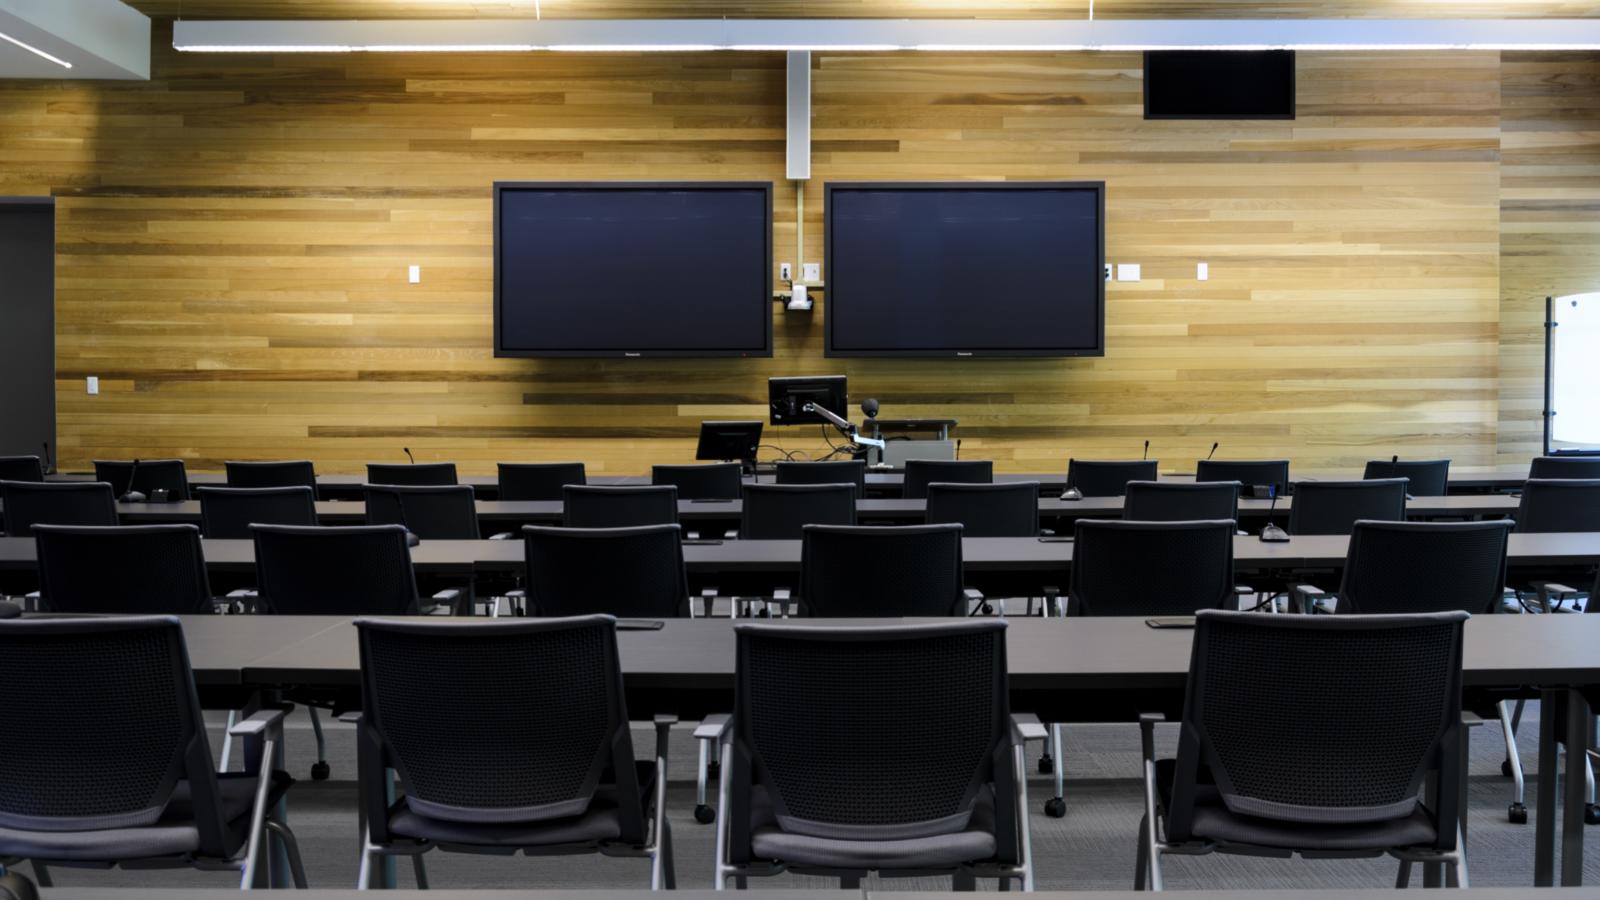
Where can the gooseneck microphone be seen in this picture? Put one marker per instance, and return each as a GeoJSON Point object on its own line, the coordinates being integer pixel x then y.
{"type": "Point", "coordinates": [131, 495]}
{"type": "Point", "coordinates": [1272, 534]}
{"type": "Point", "coordinates": [409, 456]}
{"type": "Point", "coordinates": [1146, 450]}
{"type": "Point", "coordinates": [1214, 446]}
{"type": "Point", "coordinates": [50, 464]}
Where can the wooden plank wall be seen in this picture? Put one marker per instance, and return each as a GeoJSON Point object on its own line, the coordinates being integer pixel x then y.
{"type": "Point", "coordinates": [234, 236]}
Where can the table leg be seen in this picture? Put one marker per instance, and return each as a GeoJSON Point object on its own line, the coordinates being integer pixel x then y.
{"type": "Point", "coordinates": [1573, 800]}
{"type": "Point", "coordinates": [1544, 820]}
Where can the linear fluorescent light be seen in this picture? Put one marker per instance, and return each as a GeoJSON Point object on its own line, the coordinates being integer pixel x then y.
{"type": "Point", "coordinates": [35, 50]}
{"type": "Point", "coordinates": [815, 47]}
{"type": "Point", "coordinates": [633, 48]}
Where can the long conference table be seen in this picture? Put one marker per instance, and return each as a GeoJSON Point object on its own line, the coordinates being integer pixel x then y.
{"type": "Point", "coordinates": [759, 893]}
{"type": "Point", "coordinates": [1065, 670]}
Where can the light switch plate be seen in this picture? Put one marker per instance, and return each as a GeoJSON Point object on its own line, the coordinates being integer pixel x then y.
{"type": "Point", "coordinates": [94, 384]}
{"type": "Point", "coordinates": [1202, 271]}
{"type": "Point", "coordinates": [810, 272]}
{"type": "Point", "coordinates": [785, 272]}
{"type": "Point", "coordinates": [414, 274]}
{"type": "Point", "coordinates": [1108, 271]}
{"type": "Point", "coordinates": [1127, 271]}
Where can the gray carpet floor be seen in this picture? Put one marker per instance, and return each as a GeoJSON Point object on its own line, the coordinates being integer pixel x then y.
{"type": "Point", "coordinates": [1092, 847]}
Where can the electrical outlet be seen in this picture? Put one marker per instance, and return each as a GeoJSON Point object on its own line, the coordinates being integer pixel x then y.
{"type": "Point", "coordinates": [785, 273]}
{"type": "Point", "coordinates": [414, 273]}
{"type": "Point", "coordinates": [810, 272]}
{"type": "Point", "coordinates": [1108, 271]}
{"type": "Point", "coordinates": [94, 384]}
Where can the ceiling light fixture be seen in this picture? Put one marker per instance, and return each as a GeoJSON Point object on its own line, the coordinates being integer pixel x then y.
{"type": "Point", "coordinates": [35, 50]}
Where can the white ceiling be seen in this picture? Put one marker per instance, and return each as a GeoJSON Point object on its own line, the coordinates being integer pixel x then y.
{"type": "Point", "coordinates": [98, 38]}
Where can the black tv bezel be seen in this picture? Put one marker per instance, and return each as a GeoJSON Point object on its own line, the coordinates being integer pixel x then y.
{"type": "Point", "coordinates": [1099, 188]}
{"type": "Point", "coordinates": [1294, 92]}
{"type": "Point", "coordinates": [764, 352]}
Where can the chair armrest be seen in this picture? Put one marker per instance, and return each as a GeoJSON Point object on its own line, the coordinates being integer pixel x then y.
{"type": "Point", "coordinates": [1308, 590]}
{"type": "Point", "coordinates": [1047, 532]}
{"type": "Point", "coordinates": [713, 727]}
{"type": "Point", "coordinates": [1240, 590]}
{"type": "Point", "coordinates": [1147, 734]}
{"type": "Point", "coordinates": [243, 594]}
{"type": "Point", "coordinates": [732, 534]}
{"type": "Point", "coordinates": [1028, 727]}
{"type": "Point", "coordinates": [262, 720]}
{"type": "Point", "coordinates": [448, 595]}
{"type": "Point", "coordinates": [1471, 719]}
{"type": "Point", "coordinates": [691, 535]}
{"type": "Point", "coordinates": [501, 536]}
{"type": "Point", "coordinates": [663, 723]}
{"type": "Point", "coordinates": [352, 717]}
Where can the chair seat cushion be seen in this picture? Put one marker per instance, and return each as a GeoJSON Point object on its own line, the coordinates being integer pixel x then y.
{"type": "Point", "coordinates": [1214, 822]}
{"type": "Point", "coordinates": [601, 822]}
{"type": "Point", "coordinates": [174, 834]}
{"type": "Point", "coordinates": [942, 851]}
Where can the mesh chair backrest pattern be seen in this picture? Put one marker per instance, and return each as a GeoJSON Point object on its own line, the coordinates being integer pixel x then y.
{"type": "Point", "coordinates": [878, 570]}
{"type": "Point", "coordinates": [1564, 467]}
{"type": "Point", "coordinates": [152, 474]}
{"type": "Point", "coordinates": [130, 569]}
{"type": "Point", "coordinates": [1005, 509]}
{"type": "Point", "coordinates": [419, 474]}
{"type": "Point", "coordinates": [362, 570]}
{"type": "Point", "coordinates": [710, 481]}
{"type": "Point", "coordinates": [1108, 477]}
{"type": "Point", "coordinates": [1332, 507]}
{"type": "Point", "coordinates": [1383, 710]}
{"type": "Point", "coordinates": [1178, 501]}
{"type": "Point", "coordinates": [103, 723]}
{"type": "Point", "coordinates": [30, 503]}
{"type": "Point", "coordinates": [836, 471]}
{"type": "Point", "coordinates": [1427, 477]}
{"type": "Point", "coordinates": [778, 512]}
{"type": "Point", "coordinates": [616, 571]}
{"type": "Point", "coordinates": [1417, 567]}
{"type": "Point", "coordinates": [922, 472]}
{"type": "Point", "coordinates": [21, 468]}
{"type": "Point", "coordinates": [539, 481]}
{"type": "Point", "coordinates": [228, 513]}
{"type": "Point", "coordinates": [1559, 504]}
{"type": "Point", "coordinates": [1248, 472]}
{"type": "Point", "coordinates": [431, 512]}
{"type": "Point", "coordinates": [1124, 568]}
{"type": "Point", "coordinates": [271, 473]}
{"type": "Point", "coordinates": [875, 733]}
{"type": "Point", "coordinates": [541, 698]}
{"type": "Point", "coordinates": [596, 506]}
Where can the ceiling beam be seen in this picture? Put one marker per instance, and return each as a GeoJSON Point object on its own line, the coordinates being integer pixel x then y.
{"type": "Point", "coordinates": [83, 39]}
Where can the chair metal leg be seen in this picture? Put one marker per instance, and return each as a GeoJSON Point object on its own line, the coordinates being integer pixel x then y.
{"type": "Point", "coordinates": [1403, 879]}
{"type": "Point", "coordinates": [420, 869]}
{"type": "Point", "coordinates": [227, 740]}
{"type": "Point", "coordinates": [1151, 838]}
{"type": "Point", "coordinates": [703, 812]}
{"type": "Point", "coordinates": [258, 824]}
{"type": "Point", "coordinates": [719, 876]}
{"type": "Point", "coordinates": [1057, 805]}
{"type": "Point", "coordinates": [1518, 812]}
{"type": "Point", "coordinates": [319, 769]}
{"type": "Point", "coordinates": [669, 874]}
{"type": "Point", "coordinates": [297, 869]}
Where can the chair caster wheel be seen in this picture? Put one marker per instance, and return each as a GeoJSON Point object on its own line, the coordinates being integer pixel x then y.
{"type": "Point", "coordinates": [1505, 768]}
{"type": "Point", "coordinates": [319, 771]}
{"type": "Point", "coordinates": [1518, 814]}
{"type": "Point", "coordinates": [1591, 814]}
{"type": "Point", "coordinates": [1046, 765]}
{"type": "Point", "coordinates": [1055, 807]}
{"type": "Point", "coordinates": [705, 815]}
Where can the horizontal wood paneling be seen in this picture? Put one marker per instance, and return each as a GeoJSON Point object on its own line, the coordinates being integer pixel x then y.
{"type": "Point", "coordinates": [234, 236]}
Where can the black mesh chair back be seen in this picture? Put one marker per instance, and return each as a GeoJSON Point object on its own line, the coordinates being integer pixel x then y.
{"type": "Point", "coordinates": [1384, 712]}
{"type": "Point", "coordinates": [1559, 504]}
{"type": "Point", "coordinates": [871, 733]}
{"type": "Point", "coordinates": [21, 468]}
{"type": "Point", "coordinates": [1180, 501]}
{"type": "Point", "coordinates": [361, 570]}
{"type": "Point", "coordinates": [1004, 509]}
{"type": "Point", "coordinates": [621, 506]}
{"type": "Point", "coordinates": [922, 472]}
{"type": "Point", "coordinates": [1108, 477]}
{"type": "Point", "coordinates": [105, 726]}
{"type": "Point", "coordinates": [708, 481]}
{"type": "Point", "coordinates": [431, 512]}
{"type": "Point", "coordinates": [1332, 507]}
{"type": "Point", "coordinates": [271, 473]}
{"type": "Point", "coordinates": [1428, 477]}
{"type": "Point", "coordinates": [228, 512]}
{"type": "Point", "coordinates": [778, 512]}
{"type": "Point", "coordinates": [834, 471]}
{"type": "Point", "coordinates": [129, 569]}
{"type": "Point", "coordinates": [876, 570]}
{"type": "Point", "coordinates": [1418, 567]}
{"type": "Point", "coordinates": [30, 503]}
{"type": "Point", "coordinates": [634, 572]}
{"type": "Point", "coordinates": [152, 474]}
{"type": "Point", "coordinates": [1248, 472]}
{"type": "Point", "coordinates": [1123, 568]}
{"type": "Point", "coordinates": [1565, 467]}
{"type": "Point", "coordinates": [539, 481]}
{"type": "Point", "coordinates": [542, 697]}
{"type": "Point", "coordinates": [423, 474]}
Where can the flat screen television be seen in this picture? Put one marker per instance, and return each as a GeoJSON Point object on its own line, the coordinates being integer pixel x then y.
{"type": "Point", "coordinates": [624, 269]}
{"type": "Point", "coordinates": [958, 269]}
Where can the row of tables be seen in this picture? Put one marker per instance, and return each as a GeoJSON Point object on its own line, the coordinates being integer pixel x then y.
{"type": "Point", "coordinates": [783, 894]}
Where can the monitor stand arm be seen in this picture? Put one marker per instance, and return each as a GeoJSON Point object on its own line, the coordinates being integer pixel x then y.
{"type": "Point", "coordinates": [843, 425]}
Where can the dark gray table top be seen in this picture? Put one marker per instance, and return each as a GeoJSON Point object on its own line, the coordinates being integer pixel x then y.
{"type": "Point", "coordinates": [758, 893]}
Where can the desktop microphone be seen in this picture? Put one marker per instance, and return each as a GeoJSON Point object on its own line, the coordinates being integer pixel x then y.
{"type": "Point", "coordinates": [869, 407]}
{"type": "Point", "coordinates": [1214, 446]}
{"type": "Point", "coordinates": [409, 456]}
{"type": "Point", "coordinates": [131, 495]}
{"type": "Point", "coordinates": [49, 464]}
{"type": "Point", "coordinates": [411, 537]}
{"type": "Point", "coordinates": [1146, 450]}
{"type": "Point", "coordinates": [1272, 534]}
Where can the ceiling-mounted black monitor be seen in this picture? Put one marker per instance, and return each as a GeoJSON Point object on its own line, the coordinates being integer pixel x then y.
{"type": "Point", "coordinates": [1219, 84]}
{"type": "Point", "coordinates": [959, 269]}
{"type": "Point", "coordinates": [624, 269]}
